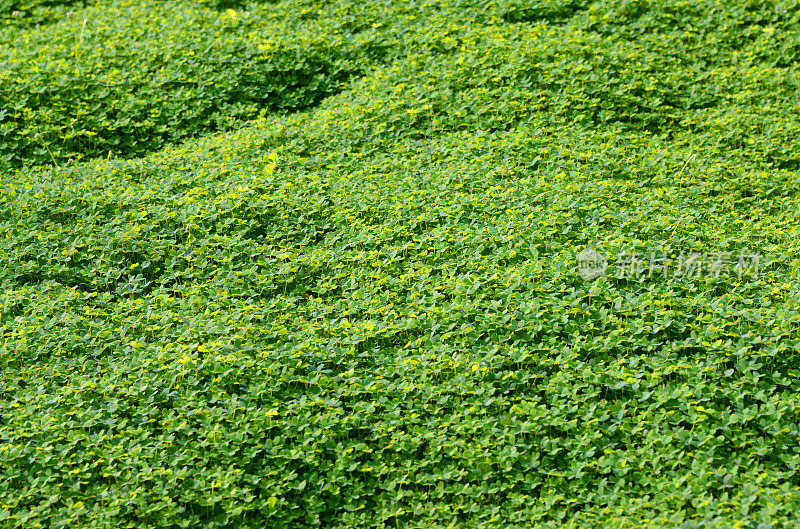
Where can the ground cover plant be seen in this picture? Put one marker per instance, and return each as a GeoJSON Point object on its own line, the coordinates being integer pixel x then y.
{"type": "Point", "coordinates": [334, 281]}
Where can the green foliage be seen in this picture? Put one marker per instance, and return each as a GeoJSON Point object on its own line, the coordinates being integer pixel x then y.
{"type": "Point", "coordinates": [20, 14]}
{"type": "Point", "coordinates": [71, 93]}
{"type": "Point", "coordinates": [11, 6]}
{"type": "Point", "coordinates": [368, 314]}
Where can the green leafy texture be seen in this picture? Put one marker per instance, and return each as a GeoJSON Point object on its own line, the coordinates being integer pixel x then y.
{"type": "Point", "coordinates": [129, 78]}
{"type": "Point", "coordinates": [368, 313]}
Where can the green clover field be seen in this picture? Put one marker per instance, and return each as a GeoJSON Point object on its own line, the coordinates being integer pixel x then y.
{"type": "Point", "coordinates": [400, 264]}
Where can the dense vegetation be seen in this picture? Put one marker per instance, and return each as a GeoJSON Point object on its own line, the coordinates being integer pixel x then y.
{"type": "Point", "coordinates": [305, 264]}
